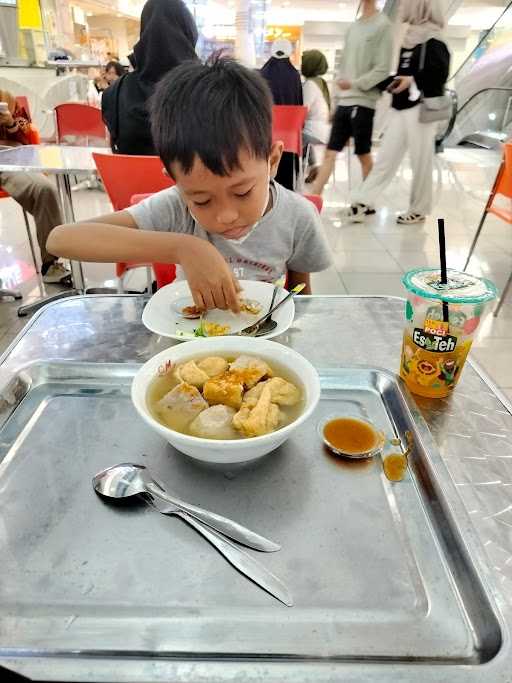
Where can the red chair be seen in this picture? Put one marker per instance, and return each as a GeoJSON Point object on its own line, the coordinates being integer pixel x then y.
{"type": "Point", "coordinates": [287, 124]}
{"type": "Point", "coordinates": [166, 273]}
{"type": "Point", "coordinates": [317, 200]}
{"type": "Point", "coordinates": [124, 176]}
{"type": "Point", "coordinates": [502, 187]}
{"type": "Point", "coordinates": [79, 120]}
{"type": "Point", "coordinates": [23, 102]}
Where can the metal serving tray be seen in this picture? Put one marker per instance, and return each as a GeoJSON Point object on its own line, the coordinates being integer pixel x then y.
{"type": "Point", "coordinates": [378, 571]}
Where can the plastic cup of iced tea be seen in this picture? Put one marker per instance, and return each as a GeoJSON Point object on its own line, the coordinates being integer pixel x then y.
{"type": "Point", "coordinates": [441, 321]}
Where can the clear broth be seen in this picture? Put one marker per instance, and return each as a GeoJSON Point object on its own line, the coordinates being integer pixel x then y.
{"type": "Point", "coordinates": [161, 385]}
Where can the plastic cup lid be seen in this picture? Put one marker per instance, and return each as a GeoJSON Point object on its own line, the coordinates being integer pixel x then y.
{"type": "Point", "coordinates": [461, 288]}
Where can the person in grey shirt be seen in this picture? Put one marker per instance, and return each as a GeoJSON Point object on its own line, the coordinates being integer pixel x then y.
{"type": "Point", "coordinates": [366, 62]}
{"type": "Point", "coordinates": [225, 219]}
{"type": "Point", "coordinates": [286, 239]}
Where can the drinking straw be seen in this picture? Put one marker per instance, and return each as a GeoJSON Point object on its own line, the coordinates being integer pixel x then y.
{"type": "Point", "coordinates": [442, 256]}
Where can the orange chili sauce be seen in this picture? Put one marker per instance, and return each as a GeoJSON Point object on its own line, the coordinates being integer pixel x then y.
{"type": "Point", "coordinates": [350, 435]}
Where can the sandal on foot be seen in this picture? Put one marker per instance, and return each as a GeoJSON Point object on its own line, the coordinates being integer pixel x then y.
{"type": "Point", "coordinates": [410, 218]}
{"type": "Point", "coordinates": [356, 213]}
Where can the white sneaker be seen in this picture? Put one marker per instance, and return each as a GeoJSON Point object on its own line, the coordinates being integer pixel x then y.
{"type": "Point", "coordinates": [55, 273]}
{"type": "Point", "coordinates": [410, 218]}
{"type": "Point", "coordinates": [356, 213]}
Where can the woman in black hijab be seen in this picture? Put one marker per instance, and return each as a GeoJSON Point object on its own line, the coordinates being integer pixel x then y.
{"type": "Point", "coordinates": [168, 36]}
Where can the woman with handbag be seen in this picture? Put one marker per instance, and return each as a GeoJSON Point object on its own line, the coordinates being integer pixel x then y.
{"type": "Point", "coordinates": [418, 102]}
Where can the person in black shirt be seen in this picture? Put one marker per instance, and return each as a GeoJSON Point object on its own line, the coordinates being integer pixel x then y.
{"type": "Point", "coordinates": [423, 68]}
{"type": "Point", "coordinates": [286, 87]}
{"type": "Point", "coordinates": [168, 36]}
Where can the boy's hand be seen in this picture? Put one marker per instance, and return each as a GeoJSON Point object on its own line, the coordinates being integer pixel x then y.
{"type": "Point", "coordinates": [210, 279]}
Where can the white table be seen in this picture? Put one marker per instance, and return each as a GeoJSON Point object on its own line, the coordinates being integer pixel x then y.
{"type": "Point", "coordinates": [60, 161]}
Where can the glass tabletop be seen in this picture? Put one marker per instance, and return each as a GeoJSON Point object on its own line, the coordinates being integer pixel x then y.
{"type": "Point", "coordinates": [55, 159]}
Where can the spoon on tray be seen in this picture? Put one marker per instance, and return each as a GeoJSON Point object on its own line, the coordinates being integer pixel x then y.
{"type": "Point", "coordinates": [127, 479]}
{"type": "Point", "coordinates": [241, 560]}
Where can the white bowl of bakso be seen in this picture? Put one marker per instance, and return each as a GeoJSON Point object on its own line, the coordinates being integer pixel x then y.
{"type": "Point", "coordinates": [226, 399]}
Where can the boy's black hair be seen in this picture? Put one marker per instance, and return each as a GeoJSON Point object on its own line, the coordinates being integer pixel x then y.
{"type": "Point", "coordinates": [212, 111]}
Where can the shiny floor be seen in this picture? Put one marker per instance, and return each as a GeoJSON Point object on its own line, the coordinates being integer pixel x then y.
{"type": "Point", "coordinates": [368, 259]}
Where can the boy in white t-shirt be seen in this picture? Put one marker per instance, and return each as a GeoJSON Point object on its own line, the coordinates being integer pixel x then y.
{"type": "Point", "coordinates": [226, 218]}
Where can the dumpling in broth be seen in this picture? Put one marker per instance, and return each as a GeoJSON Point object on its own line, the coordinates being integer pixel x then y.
{"type": "Point", "coordinates": [250, 370]}
{"type": "Point", "coordinates": [215, 423]}
{"type": "Point", "coordinates": [213, 365]}
{"type": "Point", "coordinates": [181, 405]}
{"type": "Point", "coordinates": [282, 392]}
{"type": "Point", "coordinates": [225, 389]}
{"type": "Point", "coordinates": [190, 373]}
{"type": "Point", "coordinates": [260, 419]}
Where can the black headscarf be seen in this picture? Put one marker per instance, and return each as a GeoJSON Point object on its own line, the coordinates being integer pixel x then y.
{"type": "Point", "coordinates": [168, 36]}
{"type": "Point", "coordinates": [284, 81]}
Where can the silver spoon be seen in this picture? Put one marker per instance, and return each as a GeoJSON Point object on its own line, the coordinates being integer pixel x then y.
{"type": "Point", "coordinates": [241, 560]}
{"type": "Point", "coordinates": [252, 330]}
{"type": "Point", "coordinates": [127, 479]}
{"type": "Point", "coordinates": [268, 324]}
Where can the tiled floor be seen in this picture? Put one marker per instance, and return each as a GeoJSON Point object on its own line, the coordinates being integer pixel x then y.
{"type": "Point", "coordinates": [368, 259]}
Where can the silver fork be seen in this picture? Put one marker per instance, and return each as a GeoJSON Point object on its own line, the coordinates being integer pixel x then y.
{"type": "Point", "coordinates": [252, 330]}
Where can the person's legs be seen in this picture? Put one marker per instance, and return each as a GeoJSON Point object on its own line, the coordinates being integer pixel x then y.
{"type": "Point", "coordinates": [340, 134]}
{"type": "Point", "coordinates": [422, 160]}
{"type": "Point", "coordinates": [324, 172]}
{"type": "Point", "coordinates": [366, 161]}
{"type": "Point", "coordinates": [388, 160]}
{"type": "Point", "coordinates": [362, 131]}
{"type": "Point", "coordinates": [37, 195]}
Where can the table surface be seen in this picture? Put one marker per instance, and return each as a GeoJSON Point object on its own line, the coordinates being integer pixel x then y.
{"type": "Point", "coordinates": [473, 429]}
{"type": "Point", "coordinates": [54, 159]}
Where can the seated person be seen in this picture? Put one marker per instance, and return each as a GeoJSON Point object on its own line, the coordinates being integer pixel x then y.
{"type": "Point", "coordinates": [33, 191]}
{"type": "Point", "coordinates": [112, 71]}
{"type": "Point", "coordinates": [226, 218]}
{"type": "Point", "coordinates": [317, 99]}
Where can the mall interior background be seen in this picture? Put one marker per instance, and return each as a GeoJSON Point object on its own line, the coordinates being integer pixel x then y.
{"type": "Point", "coordinates": [368, 259]}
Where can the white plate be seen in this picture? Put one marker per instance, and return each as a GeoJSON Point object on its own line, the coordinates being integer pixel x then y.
{"type": "Point", "coordinates": [161, 315]}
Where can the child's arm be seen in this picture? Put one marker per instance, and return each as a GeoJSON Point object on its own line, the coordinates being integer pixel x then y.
{"type": "Point", "coordinates": [295, 278]}
{"type": "Point", "coordinates": [115, 237]}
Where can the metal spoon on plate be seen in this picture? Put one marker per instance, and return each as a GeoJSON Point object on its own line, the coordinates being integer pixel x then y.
{"type": "Point", "coordinates": [254, 330]}
{"type": "Point", "coordinates": [127, 479]}
{"type": "Point", "coordinates": [268, 324]}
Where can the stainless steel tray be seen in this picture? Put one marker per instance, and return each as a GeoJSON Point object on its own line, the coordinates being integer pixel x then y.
{"type": "Point", "coordinates": [378, 571]}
